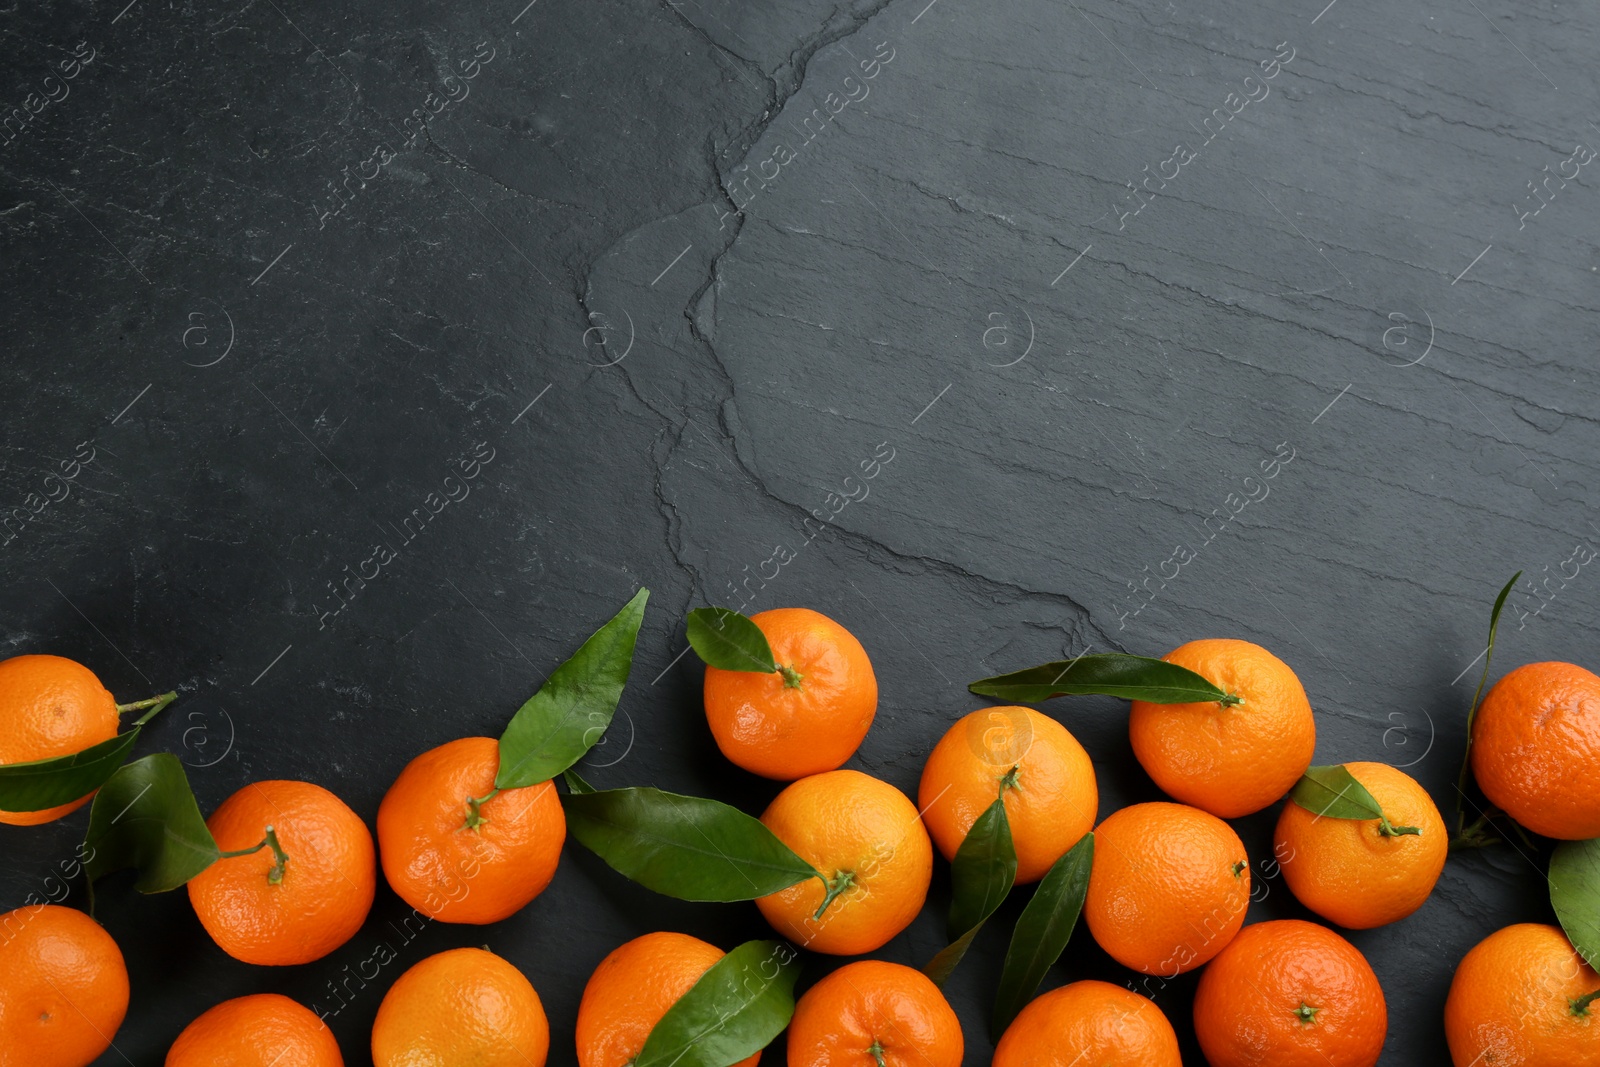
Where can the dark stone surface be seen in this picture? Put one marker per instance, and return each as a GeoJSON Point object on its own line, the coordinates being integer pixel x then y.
{"type": "Point", "coordinates": [946, 268]}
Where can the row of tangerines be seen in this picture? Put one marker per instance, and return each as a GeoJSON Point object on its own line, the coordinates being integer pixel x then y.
{"type": "Point", "coordinates": [1167, 893]}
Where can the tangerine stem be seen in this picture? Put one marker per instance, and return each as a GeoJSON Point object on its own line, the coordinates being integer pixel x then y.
{"type": "Point", "coordinates": [1389, 829]}
{"type": "Point", "coordinates": [876, 1052]}
{"type": "Point", "coordinates": [791, 677]}
{"type": "Point", "coordinates": [842, 880]}
{"type": "Point", "coordinates": [1306, 1013]}
{"type": "Point", "coordinates": [1230, 699]}
{"type": "Point", "coordinates": [475, 817]}
{"type": "Point", "coordinates": [275, 875]}
{"type": "Point", "coordinates": [1581, 1005]}
{"type": "Point", "coordinates": [155, 704]}
{"type": "Point", "coordinates": [1010, 778]}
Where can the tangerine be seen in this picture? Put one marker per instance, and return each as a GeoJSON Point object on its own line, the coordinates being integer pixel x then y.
{"type": "Point", "coordinates": [262, 1030]}
{"type": "Point", "coordinates": [1237, 755]}
{"type": "Point", "coordinates": [1085, 1023]}
{"type": "Point", "coordinates": [807, 717]}
{"type": "Point", "coordinates": [1536, 749]}
{"type": "Point", "coordinates": [1523, 997]}
{"type": "Point", "coordinates": [1292, 994]}
{"type": "Point", "coordinates": [1168, 889]}
{"type": "Point", "coordinates": [868, 841]}
{"type": "Point", "coordinates": [632, 989]}
{"type": "Point", "coordinates": [463, 1006]}
{"type": "Point", "coordinates": [50, 706]}
{"type": "Point", "coordinates": [63, 988]}
{"type": "Point", "coordinates": [1028, 758]}
{"type": "Point", "coordinates": [457, 857]}
{"type": "Point", "coordinates": [874, 1014]}
{"type": "Point", "coordinates": [1362, 873]}
{"type": "Point", "coordinates": [296, 879]}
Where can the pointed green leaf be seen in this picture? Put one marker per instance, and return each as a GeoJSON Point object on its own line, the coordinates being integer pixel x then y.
{"type": "Point", "coordinates": [1575, 894]}
{"type": "Point", "coordinates": [982, 873]}
{"type": "Point", "coordinates": [146, 817]}
{"type": "Point", "coordinates": [1110, 674]}
{"type": "Point", "coordinates": [565, 718]}
{"type": "Point", "coordinates": [1334, 792]}
{"type": "Point", "coordinates": [48, 783]}
{"type": "Point", "coordinates": [1042, 932]}
{"type": "Point", "coordinates": [944, 961]}
{"type": "Point", "coordinates": [729, 641]}
{"type": "Point", "coordinates": [733, 1011]}
{"type": "Point", "coordinates": [685, 847]}
{"type": "Point", "coordinates": [575, 782]}
{"type": "Point", "coordinates": [1472, 711]}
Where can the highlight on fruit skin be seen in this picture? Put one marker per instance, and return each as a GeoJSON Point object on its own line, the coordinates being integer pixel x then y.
{"type": "Point", "coordinates": [458, 1007]}
{"type": "Point", "coordinates": [1536, 749]}
{"type": "Point", "coordinates": [872, 1011]}
{"type": "Point", "coordinates": [1089, 1022]}
{"type": "Point", "coordinates": [259, 1030]}
{"type": "Point", "coordinates": [1523, 995]}
{"type": "Point", "coordinates": [63, 988]}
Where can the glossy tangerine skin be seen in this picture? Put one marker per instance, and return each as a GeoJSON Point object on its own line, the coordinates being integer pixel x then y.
{"type": "Point", "coordinates": [1347, 871]}
{"type": "Point", "coordinates": [63, 988]}
{"type": "Point", "coordinates": [632, 989]}
{"type": "Point", "coordinates": [786, 732]}
{"type": "Point", "coordinates": [1051, 803]}
{"type": "Point", "coordinates": [1245, 1006]}
{"type": "Point", "coordinates": [1230, 761]}
{"type": "Point", "coordinates": [50, 706]}
{"type": "Point", "coordinates": [461, 1008]}
{"type": "Point", "coordinates": [450, 871]}
{"type": "Point", "coordinates": [1089, 1023]}
{"type": "Point", "coordinates": [849, 821]}
{"type": "Point", "coordinates": [1164, 892]}
{"type": "Point", "coordinates": [327, 886]}
{"type": "Point", "coordinates": [870, 1004]}
{"type": "Point", "coordinates": [1510, 1002]}
{"type": "Point", "coordinates": [262, 1030]}
{"type": "Point", "coordinates": [1536, 749]}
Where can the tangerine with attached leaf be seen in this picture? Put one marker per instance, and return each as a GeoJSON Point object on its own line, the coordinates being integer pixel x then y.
{"type": "Point", "coordinates": [1028, 758]}
{"type": "Point", "coordinates": [1233, 756]}
{"type": "Point", "coordinates": [1292, 994]}
{"type": "Point", "coordinates": [50, 706]}
{"type": "Point", "coordinates": [1524, 996]}
{"type": "Point", "coordinates": [1086, 1023]}
{"type": "Point", "coordinates": [261, 1030]}
{"type": "Point", "coordinates": [300, 878]}
{"type": "Point", "coordinates": [866, 839]}
{"type": "Point", "coordinates": [1536, 749]}
{"type": "Point", "coordinates": [875, 1014]}
{"type": "Point", "coordinates": [459, 1007]}
{"type": "Point", "coordinates": [1362, 873]}
{"type": "Point", "coordinates": [63, 988]}
{"type": "Point", "coordinates": [459, 850]}
{"type": "Point", "coordinates": [632, 989]}
{"type": "Point", "coordinates": [808, 716]}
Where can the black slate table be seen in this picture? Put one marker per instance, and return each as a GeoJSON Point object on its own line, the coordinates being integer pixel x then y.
{"type": "Point", "coordinates": [672, 272]}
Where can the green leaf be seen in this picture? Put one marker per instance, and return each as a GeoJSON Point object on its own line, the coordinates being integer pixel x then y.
{"type": "Point", "coordinates": [685, 847]}
{"type": "Point", "coordinates": [734, 1010]}
{"type": "Point", "coordinates": [1575, 894]}
{"type": "Point", "coordinates": [570, 712]}
{"type": "Point", "coordinates": [576, 783]}
{"type": "Point", "coordinates": [1472, 713]}
{"type": "Point", "coordinates": [1042, 932]}
{"type": "Point", "coordinates": [48, 783]}
{"type": "Point", "coordinates": [1335, 793]}
{"type": "Point", "coordinates": [729, 641]}
{"type": "Point", "coordinates": [982, 873]}
{"type": "Point", "coordinates": [146, 817]}
{"type": "Point", "coordinates": [1111, 674]}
